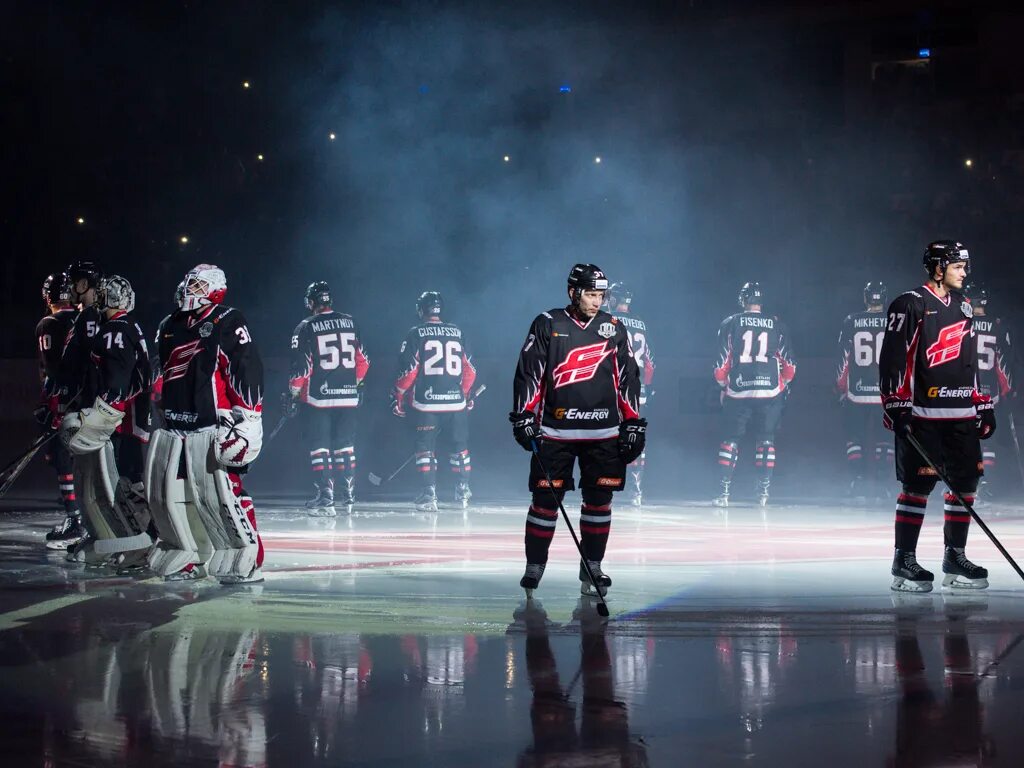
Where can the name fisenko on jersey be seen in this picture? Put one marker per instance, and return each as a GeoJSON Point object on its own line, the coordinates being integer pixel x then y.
{"type": "Point", "coordinates": [757, 322]}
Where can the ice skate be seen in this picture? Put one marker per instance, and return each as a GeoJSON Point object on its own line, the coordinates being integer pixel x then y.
{"type": "Point", "coordinates": [323, 504]}
{"type": "Point", "coordinates": [762, 492]}
{"type": "Point", "coordinates": [602, 579]}
{"type": "Point", "coordinates": [960, 572]}
{"type": "Point", "coordinates": [188, 573]}
{"type": "Point", "coordinates": [67, 533]}
{"type": "Point", "coordinates": [531, 578]}
{"type": "Point", "coordinates": [636, 492]}
{"type": "Point", "coordinates": [908, 576]}
{"type": "Point", "coordinates": [463, 494]}
{"type": "Point", "coordinates": [347, 494]}
{"type": "Point", "coordinates": [427, 500]}
{"type": "Point", "coordinates": [256, 577]}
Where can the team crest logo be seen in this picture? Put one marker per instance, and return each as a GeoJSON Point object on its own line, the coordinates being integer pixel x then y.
{"type": "Point", "coordinates": [606, 330]}
{"type": "Point", "coordinates": [205, 330]}
{"type": "Point", "coordinates": [580, 365]}
{"type": "Point", "coordinates": [947, 345]}
{"type": "Point", "coordinates": [967, 309]}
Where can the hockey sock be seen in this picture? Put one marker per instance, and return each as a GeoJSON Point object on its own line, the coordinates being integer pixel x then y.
{"type": "Point", "coordinates": [727, 454]}
{"type": "Point", "coordinates": [595, 523]}
{"type": "Point", "coordinates": [426, 465]}
{"type": "Point", "coordinates": [460, 464]}
{"type": "Point", "coordinates": [855, 459]}
{"type": "Point", "coordinates": [67, 494]}
{"type": "Point", "coordinates": [909, 517]}
{"type": "Point", "coordinates": [540, 528]}
{"type": "Point", "coordinates": [958, 520]}
{"type": "Point", "coordinates": [764, 460]}
{"type": "Point", "coordinates": [344, 463]}
{"type": "Point", "coordinates": [988, 459]}
{"type": "Point", "coordinates": [320, 461]}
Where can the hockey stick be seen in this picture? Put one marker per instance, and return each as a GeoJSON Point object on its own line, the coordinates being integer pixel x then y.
{"type": "Point", "coordinates": [13, 470]}
{"type": "Point", "coordinates": [927, 459]}
{"type": "Point", "coordinates": [1016, 444]}
{"type": "Point", "coordinates": [602, 608]}
{"type": "Point", "coordinates": [280, 425]}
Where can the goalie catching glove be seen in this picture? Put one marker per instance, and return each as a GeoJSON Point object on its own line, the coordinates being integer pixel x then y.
{"type": "Point", "coordinates": [88, 430]}
{"type": "Point", "coordinates": [632, 439]}
{"type": "Point", "coordinates": [239, 437]}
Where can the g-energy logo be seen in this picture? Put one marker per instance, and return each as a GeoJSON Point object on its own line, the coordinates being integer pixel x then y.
{"type": "Point", "coordinates": [934, 392]}
{"type": "Point", "coordinates": [575, 414]}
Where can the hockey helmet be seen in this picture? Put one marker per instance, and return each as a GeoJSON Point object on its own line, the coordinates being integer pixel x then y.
{"type": "Point", "coordinates": [56, 289]}
{"type": "Point", "coordinates": [750, 293]}
{"type": "Point", "coordinates": [586, 277]}
{"type": "Point", "coordinates": [83, 270]}
{"type": "Point", "coordinates": [430, 303]}
{"type": "Point", "coordinates": [117, 293]}
{"type": "Point", "coordinates": [875, 293]}
{"type": "Point", "coordinates": [978, 295]}
{"type": "Point", "coordinates": [203, 285]}
{"type": "Point", "coordinates": [941, 253]}
{"type": "Point", "coordinates": [318, 294]}
{"type": "Point", "coordinates": [618, 294]}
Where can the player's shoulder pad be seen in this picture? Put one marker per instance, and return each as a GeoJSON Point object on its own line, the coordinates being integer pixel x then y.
{"type": "Point", "coordinates": [906, 299]}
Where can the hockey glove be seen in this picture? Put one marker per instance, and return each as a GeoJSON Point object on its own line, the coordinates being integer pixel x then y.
{"type": "Point", "coordinates": [397, 406]}
{"type": "Point", "coordinates": [289, 405]}
{"type": "Point", "coordinates": [525, 429]}
{"type": "Point", "coordinates": [986, 421]}
{"type": "Point", "coordinates": [898, 416]}
{"type": "Point", "coordinates": [93, 427]}
{"type": "Point", "coordinates": [42, 414]}
{"type": "Point", "coordinates": [239, 438]}
{"type": "Point", "coordinates": [632, 439]}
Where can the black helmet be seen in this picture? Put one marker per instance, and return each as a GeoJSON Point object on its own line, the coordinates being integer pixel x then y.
{"type": "Point", "coordinates": [586, 277]}
{"type": "Point", "coordinates": [56, 289]}
{"type": "Point", "coordinates": [618, 294]}
{"type": "Point", "coordinates": [429, 303]}
{"type": "Point", "coordinates": [318, 294]}
{"type": "Point", "coordinates": [83, 270]}
{"type": "Point", "coordinates": [978, 295]}
{"type": "Point", "coordinates": [942, 253]}
{"type": "Point", "coordinates": [875, 293]}
{"type": "Point", "coordinates": [750, 293]}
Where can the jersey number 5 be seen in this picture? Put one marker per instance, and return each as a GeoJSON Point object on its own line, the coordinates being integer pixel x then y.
{"type": "Point", "coordinates": [336, 349]}
{"type": "Point", "coordinates": [436, 351]}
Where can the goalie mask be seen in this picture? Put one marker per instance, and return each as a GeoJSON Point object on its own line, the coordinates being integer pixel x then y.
{"type": "Point", "coordinates": [942, 253]}
{"type": "Point", "coordinates": [429, 304]}
{"type": "Point", "coordinates": [117, 293]}
{"type": "Point", "coordinates": [750, 293]}
{"type": "Point", "coordinates": [57, 289]}
{"type": "Point", "coordinates": [874, 294]}
{"type": "Point", "coordinates": [204, 285]}
{"type": "Point", "coordinates": [318, 294]}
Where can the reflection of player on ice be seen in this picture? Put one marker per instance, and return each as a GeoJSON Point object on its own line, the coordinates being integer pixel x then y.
{"type": "Point", "coordinates": [210, 388]}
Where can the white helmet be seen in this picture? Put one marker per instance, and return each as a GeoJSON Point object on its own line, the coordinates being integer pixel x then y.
{"type": "Point", "coordinates": [204, 284]}
{"type": "Point", "coordinates": [117, 293]}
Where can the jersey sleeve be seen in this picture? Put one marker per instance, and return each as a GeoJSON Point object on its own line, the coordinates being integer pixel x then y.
{"type": "Point", "coordinates": [362, 359]}
{"type": "Point", "coordinates": [627, 376]}
{"type": "Point", "coordinates": [408, 364]}
{"type": "Point", "coordinates": [784, 355]}
{"type": "Point", "coordinates": [648, 377]}
{"type": "Point", "coordinates": [842, 378]}
{"type": "Point", "coordinates": [239, 366]}
{"type": "Point", "coordinates": [899, 348]}
{"type": "Point", "coordinates": [468, 369]}
{"type": "Point", "coordinates": [724, 363]}
{"type": "Point", "coordinates": [300, 361]}
{"type": "Point", "coordinates": [1004, 360]}
{"type": "Point", "coordinates": [528, 383]}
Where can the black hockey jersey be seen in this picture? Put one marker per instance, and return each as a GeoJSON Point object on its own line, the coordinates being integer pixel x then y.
{"type": "Point", "coordinates": [122, 372]}
{"type": "Point", "coordinates": [75, 375]}
{"type": "Point", "coordinates": [928, 355]}
{"type": "Point", "coordinates": [580, 379]}
{"type": "Point", "coordinates": [754, 359]}
{"type": "Point", "coordinates": [642, 353]}
{"type": "Point", "coordinates": [995, 356]}
{"type": "Point", "coordinates": [51, 333]}
{"type": "Point", "coordinates": [207, 362]}
{"type": "Point", "coordinates": [436, 370]}
{"type": "Point", "coordinates": [328, 361]}
{"type": "Point", "coordinates": [860, 344]}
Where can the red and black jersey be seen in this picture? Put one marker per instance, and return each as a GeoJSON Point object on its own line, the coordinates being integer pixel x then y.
{"type": "Point", "coordinates": [928, 355]}
{"type": "Point", "coordinates": [122, 371]}
{"type": "Point", "coordinates": [992, 346]}
{"type": "Point", "coordinates": [328, 361]}
{"type": "Point", "coordinates": [579, 379]}
{"type": "Point", "coordinates": [754, 359]}
{"type": "Point", "coordinates": [436, 370]}
{"type": "Point", "coordinates": [643, 354]}
{"type": "Point", "coordinates": [860, 344]}
{"type": "Point", "coordinates": [51, 333]}
{"type": "Point", "coordinates": [74, 376]}
{"type": "Point", "coordinates": [207, 362]}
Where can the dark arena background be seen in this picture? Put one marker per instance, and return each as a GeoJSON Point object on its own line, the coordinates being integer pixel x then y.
{"type": "Point", "coordinates": [481, 150]}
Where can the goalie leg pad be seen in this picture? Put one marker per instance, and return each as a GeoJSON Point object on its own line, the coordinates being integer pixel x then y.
{"type": "Point", "coordinates": [176, 547]}
{"type": "Point", "coordinates": [96, 479]}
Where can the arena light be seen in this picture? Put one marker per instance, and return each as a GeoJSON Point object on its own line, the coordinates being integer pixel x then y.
{"type": "Point", "coordinates": [183, 239]}
{"type": "Point", "coordinates": [331, 136]}
{"type": "Point", "coordinates": [80, 220]}
{"type": "Point", "coordinates": [924, 53]}
{"type": "Point", "coordinates": [565, 89]}
{"type": "Point", "coordinates": [968, 162]}
{"type": "Point", "coordinates": [506, 158]}
{"type": "Point", "coordinates": [597, 159]}
{"type": "Point", "coordinates": [260, 158]}
{"type": "Point", "coordinates": [245, 84]}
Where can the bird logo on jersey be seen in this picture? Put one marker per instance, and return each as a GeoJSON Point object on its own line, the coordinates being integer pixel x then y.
{"type": "Point", "coordinates": [580, 364]}
{"type": "Point", "coordinates": [179, 360]}
{"type": "Point", "coordinates": [947, 346]}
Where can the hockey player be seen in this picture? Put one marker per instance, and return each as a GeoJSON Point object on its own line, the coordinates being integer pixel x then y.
{"type": "Point", "coordinates": [619, 302]}
{"type": "Point", "coordinates": [327, 371]}
{"type": "Point", "coordinates": [992, 345]}
{"type": "Point", "coordinates": [106, 437]}
{"type": "Point", "coordinates": [210, 387]}
{"type": "Point", "coordinates": [857, 385]}
{"type": "Point", "coordinates": [51, 332]}
{"type": "Point", "coordinates": [435, 379]}
{"type": "Point", "coordinates": [755, 366]}
{"type": "Point", "coordinates": [928, 379]}
{"type": "Point", "coordinates": [576, 395]}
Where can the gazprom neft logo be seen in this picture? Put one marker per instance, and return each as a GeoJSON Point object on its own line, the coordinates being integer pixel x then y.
{"type": "Point", "coordinates": [934, 392]}
{"type": "Point", "coordinates": [575, 414]}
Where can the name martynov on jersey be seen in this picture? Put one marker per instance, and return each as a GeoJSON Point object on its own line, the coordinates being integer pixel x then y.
{"type": "Point", "coordinates": [754, 359]}
{"type": "Point", "coordinates": [993, 347]}
{"type": "Point", "coordinates": [328, 361]}
{"type": "Point", "coordinates": [580, 379]}
{"type": "Point", "coordinates": [121, 365]}
{"type": "Point", "coordinates": [51, 333]}
{"type": "Point", "coordinates": [435, 368]}
{"type": "Point", "coordinates": [207, 362]}
{"type": "Point", "coordinates": [928, 358]}
{"type": "Point", "coordinates": [860, 343]}
{"type": "Point", "coordinates": [643, 354]}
